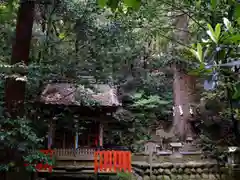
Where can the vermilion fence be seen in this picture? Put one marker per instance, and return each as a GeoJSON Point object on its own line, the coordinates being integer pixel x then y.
{"type": "Point", "coordinates": [112, 161]}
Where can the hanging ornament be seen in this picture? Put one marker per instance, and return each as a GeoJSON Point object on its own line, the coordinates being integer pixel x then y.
{"type": "Point", "coordinates": [180, 110]}
{"type": "Point", "coordinates": [191, 110]}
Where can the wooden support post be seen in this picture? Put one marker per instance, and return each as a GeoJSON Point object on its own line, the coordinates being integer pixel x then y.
{"type": "Point", "coordinates": [64, 140]}
{"type": "Point", "coordinates": [76, 135]}
{"type": "Point", "coordinates": [100, 134]}
{"type": "Point", "coordinates": [50, 135]}
{"type": "Point", "coordinates": [76, 141]}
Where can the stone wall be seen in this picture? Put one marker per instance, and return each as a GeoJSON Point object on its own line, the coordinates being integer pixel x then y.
{"type": "Point", "coordinates": [166, 157]}
{"type": "Point", "coordinates": [180, 171]}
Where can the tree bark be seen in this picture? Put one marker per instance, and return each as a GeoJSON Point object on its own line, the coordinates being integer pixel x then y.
{"type": "Point", "coordinates": [184, 97]}
{"type": "Point", "coordinates": [15, 90]}
{"type": "Point", "coordinates": [183, 87]}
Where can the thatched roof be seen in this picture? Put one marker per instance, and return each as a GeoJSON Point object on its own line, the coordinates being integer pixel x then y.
{"type": "Point", "coordinates": [71, 94]}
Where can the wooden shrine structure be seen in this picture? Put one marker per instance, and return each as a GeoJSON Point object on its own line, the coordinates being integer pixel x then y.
{"type": "Point", "coordinates": [83, 151]}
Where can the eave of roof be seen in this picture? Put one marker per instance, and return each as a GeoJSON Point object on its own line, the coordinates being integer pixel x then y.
{"type": "Point", "coordinates": [71, 94]}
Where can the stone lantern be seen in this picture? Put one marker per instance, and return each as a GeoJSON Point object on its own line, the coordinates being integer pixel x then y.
{"type": "Point", "coordinates": [150, 147]}
{"type": "Point", "coordinates": [160, 133]}
{"type": "Point", "coordinates": [189, 140]}
{"type": "Point", "coordinates": [163, 136]}
{"type": "Point", "coordinates": [175, 146]}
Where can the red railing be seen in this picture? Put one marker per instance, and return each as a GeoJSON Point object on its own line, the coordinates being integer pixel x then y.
{"type": "Point", "coordinates": [112, 161]}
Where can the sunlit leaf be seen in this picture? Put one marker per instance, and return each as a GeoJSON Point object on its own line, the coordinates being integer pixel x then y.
{"type": "Point", "coordinates": [61, 36]}
{"type": "Point", "coordinates": [211, 33]}
{"type": "Point", "coordinates": [205, 40]}
{"type": "Point", "coordinates": [227, 24]}
{"type": "Point", "coordinates": [217, 32]}
{"type": "Point", "coordinates": [195, 53]}
{"type": "Point", "coordinates": [200, 52]}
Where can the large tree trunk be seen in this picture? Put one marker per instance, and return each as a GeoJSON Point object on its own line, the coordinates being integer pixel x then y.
{"type": "Point", "coordinates": [15, 90]}
{"type": "Point", "coordinates": [183, 87]}
{"type": "Point", "coordinates": [184, 98]}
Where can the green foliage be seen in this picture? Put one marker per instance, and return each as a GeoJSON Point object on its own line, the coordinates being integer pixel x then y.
{"type": "Point", "coordinates": [7, 11]}
{"type": "Point", "coordinates": [17, 136]}
{"type": "Point", "coordinates": [119, 5]}
{"type": "Point", "coordinates": [212, 150]}
{"type": "Point", "coordinates": [124, 176]}
{"type": "Point", "coordinates": [218, 51]}
{"type": "Point", "coordinates": [34, 158]}
{"type": "Point", "coordinates": [148, 102]}
{"type": "Point", "coordinates": [20, 135]}
{"type": "Point", "coordinates": [218, 56]}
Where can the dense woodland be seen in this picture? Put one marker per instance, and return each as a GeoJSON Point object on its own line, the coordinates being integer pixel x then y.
{"type": "Point", "coordinates": [159, 54]}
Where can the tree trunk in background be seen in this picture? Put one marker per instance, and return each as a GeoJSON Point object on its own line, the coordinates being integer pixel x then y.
{"type": "Point", "coordinates": [183, 87]}
{"type": "Point", "coordinates": [15, 90]}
